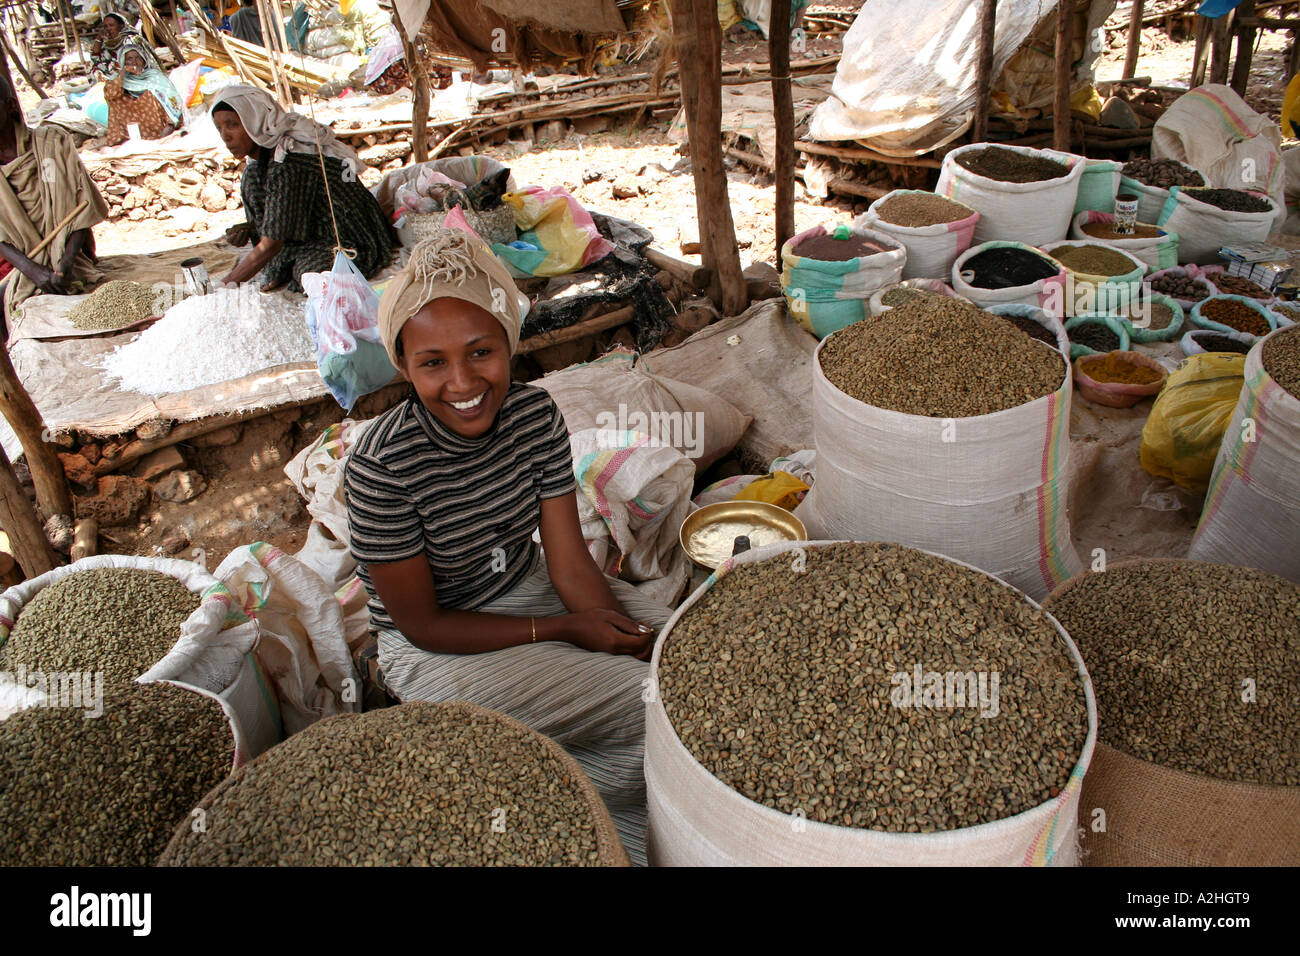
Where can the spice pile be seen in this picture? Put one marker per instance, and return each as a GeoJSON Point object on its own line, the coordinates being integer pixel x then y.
{"type": "Point", "coordinates": [1239, 285]}
{"type": "Point", "coordinates": [1162, 173]}
{"type": "Point", "coordinates": [1093, 260]}
{"type": "Point", "coordinates": [116, 304]}
{"type": "Point", "coordinates": [213, 338]}
{"type": "Point", "coordinates": [1161, 316]}
{"type": "Point", "coordinates": [921, 209]}
{"type": "Point", "coordinates": [415, 785]}
{"type": "Point", "coordinates": [827, 248]}
{"type": "Point", "coordinates": [959, 361]}
{"type": "Point", "coordinates": [1233, 200]}
{"type": "Point", "coordinates": [1213, 342]}
{"type": "Point", "coordinates": [1182, 287]}
{"type": "Point", "coordinates": [1169, 644]}
{"type": "Point", "coordinates": [1035, 330]}
{"type": "Point", "coordinates": [1281, 358]}
{"type": "Point", "coordinates": [109, 790]}
{"type": "Point", "coordinates": [1106, 230]}
{"type": "Point", "coordinates": [1009, 166]}
{"type": "Point", "coordinates": [1007, 267]}
{"type": "Point", "coordinates": [1094, 335]}
{"type": "Point", "coordinates": [120, 621]}
{"type": "Point", "coordinates": [787, 687]}
{"type": "Point", "coordinates": [1235, 315]}
{"type": "Point", "coordinates": [1114, 369]}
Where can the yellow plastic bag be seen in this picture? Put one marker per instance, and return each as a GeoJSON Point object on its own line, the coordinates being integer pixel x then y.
{"type": "Point", "coordinates": [1182, 435]}
{"type": "Point", "coordinates": [779, 488]}
{"type": "Point", "coordinates": [1087, 100]}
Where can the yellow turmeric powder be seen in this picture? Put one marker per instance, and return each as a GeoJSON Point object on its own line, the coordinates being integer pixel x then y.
{"type": "Point", "coordinates": [1111, 367]}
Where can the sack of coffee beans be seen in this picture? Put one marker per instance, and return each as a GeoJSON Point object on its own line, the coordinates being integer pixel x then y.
{"type": "Point", "coordinates": [1100, 277]}
{"type": "Point", "coordinates": [1009, 273]}
{"type": "Point", "coordinates": [882, 300]}
{"type": "Point", "coordinates": [1097, 186]}
{"type": "Point", "coordinates": [1252, 509]}
{"type": "Point", "coordinates": [933, 229]}
{"type": "Point", "coordinates": [828, 275]}
{"type": "Point", "coordinates": [1196, 670]}
{"type": "Point", "coordinates": [449, 784]}
{"type": "Point", "coordinates": [1155, 247]}
{"type": "Point", "coordinates": [817, 703]}
{"type": "Point", "coordinates": [949, 453]}
{"type": "Point", "coordinates": [1035, 210]}
{"type": "Point", "coordinates": [1205, 227]}
{"type": "Point", "coordinates": [1150, 179]}
{"type": "Point", "coordinates": [1233, 313]}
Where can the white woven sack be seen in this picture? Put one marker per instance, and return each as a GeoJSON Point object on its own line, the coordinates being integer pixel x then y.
{"type": "Point", "coordinates": [931, 250]}
{"type": "Point", "coordinates": [1203, 229]}
{"type": "Point", "coordinates": [973, 489]}
{"type": "Point", "coordinates": [1252, 506]}
{"type": "Point", "coordinates": [1032, 213]}
{"type": "Point", "coordinates": [1042, 293]}
{"type": "Point", "coordinates": [697, 820]}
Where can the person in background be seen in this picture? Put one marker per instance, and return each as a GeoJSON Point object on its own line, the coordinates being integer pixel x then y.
{"type": "Point", "coordinates": [105, 53]}
{"type": "Point", "coordinates": [141, 94]}
{"type": "Point", "coordinates": [42, 181]}
{"type": "Point", "coordinates": [292, 217]}
{"type": "Point", "coordinates": [246, 23]}
{"type": "Point", "coordinates": [444, 493]}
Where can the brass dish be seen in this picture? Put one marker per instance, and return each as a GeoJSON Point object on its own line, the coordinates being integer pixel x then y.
{"type": "Point", "coordinates": [708, 535]}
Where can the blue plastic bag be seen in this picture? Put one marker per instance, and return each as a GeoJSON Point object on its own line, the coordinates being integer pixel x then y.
{"type": "Point", "coordinates": [343, 319]}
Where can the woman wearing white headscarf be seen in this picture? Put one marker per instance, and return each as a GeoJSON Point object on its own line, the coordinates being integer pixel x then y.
{"type": "Point", "coordinates": [444, 492]}
{"type": "Point", "coordinates": [292, 215]}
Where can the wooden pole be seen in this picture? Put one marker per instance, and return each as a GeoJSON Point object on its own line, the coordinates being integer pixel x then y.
{"type": "Point", "coordinates": [147, 12]}
{"type": "Point", "coordinates": [47, 472]}
{"type": "Point", "coordinates": [63, 24]}
{"type": "Point", "coordinates": [1203, 27]}
{"type": "Point", "coordinates": [206, 25]}
{"type": "Point", "coordinates": [22, 69]}
{"type": "Point", "coordinates": [1221, 49]}
{"type": "Point", "coordinates": [984, 70]}
{"type": "Point", "coordinates": [72, 23]}
{"type": "Point", "coordinates": [698, 40]}
{"type": "Point", "coordinates": [1245, 47]}
{"type": "Point", "coordinates": [420, 102]}
{"type": "Point", "coordinates": [1064, 72]}
{"type": "Point", "coordinates": [281, 87]}
{"type": "Point", "coordinates": [278, 20]}
{"type": "Point", "coordinates": [18, 518]}
{"type": "Point", "coordinates": [778, 42]}
{"type": "Point", "coordinates": [1134, 41]}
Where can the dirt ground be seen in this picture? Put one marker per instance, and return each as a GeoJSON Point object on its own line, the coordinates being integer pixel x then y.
{"type": "Point", "coordinates": [248, 497]}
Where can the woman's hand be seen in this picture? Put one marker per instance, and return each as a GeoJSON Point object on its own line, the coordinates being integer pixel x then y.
{"type": "Point", "coordinates": [600, 629]}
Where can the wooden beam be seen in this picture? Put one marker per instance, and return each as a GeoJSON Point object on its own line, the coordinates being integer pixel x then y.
{"type": "Point", "coordinates": [1245, 47]}
{"type": "Point", "coordinates": [778, 42]}
{"type": "Point", "coordinates": [420, 104]}
{"type": "Point", "coordinates": [1221, 49]}
{"type": "Point", "coordinates": [18, 518]}
{"type": "Point", "coordinates": [1064, 72]}
{"type": "Point", "coordinates": [1204, 26]}
{"type": "Point", "coordinates": [22, 69]}
{"type": "Point", "coordinates": [206, 26]}
{"type": "Point", "coordinates": [697, 277]}
{"type": "Point", "coordinates": [277, 78]}
{"type": "Point", "coordinates": [148, 13]}
{"type": "Point", "coordinates": [578, 330]}
{"type": "Point", "coordinates": [16, 405]}
{"type": "Point", "coordinates": [278, 20]}
{"type": "Point", "coordinates": [698, 40]}
{"type": "Point", "coordinates": [984, 69]}
{"type": "Point", "coordinates": [856, 153]}
{"type": "Point", "coordinates": [1134, 40]}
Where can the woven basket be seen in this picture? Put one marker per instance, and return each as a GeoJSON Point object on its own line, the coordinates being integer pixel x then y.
{"type": "Point", "coordinates": [1156, 816]}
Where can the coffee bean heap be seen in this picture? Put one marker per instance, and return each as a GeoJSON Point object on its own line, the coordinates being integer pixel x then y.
{"type": "Point", "coordinates": [1235, 315]}
{"type": "Point", "coordinates": [108, 790]}
{"type": "Point", "coordinates": [115, 304]}
{"type": "Point", "coordinates": [1169, 646]}
{"type": "Point", "coordinates": [1239, 285]}
{"type": "Point", "coordinates": [1181, 287]}
{"type": "Point", "coordinates": [900, 294]}
{"type": "Point", "coordinates": [1094, 335]}
{"type": "Point", "coordinates": [940, 357]}
{"type": "Point", "coordinates": [1162, 173]}
{"type": "Point", "coordinates": [120, 621]}
{"type": "Point", "coordinates": [1289, 312]}
{"type": "Point", "coordinates": [419, 784]}
{"type": "Point", "coordinates": [1213, 342]}
{"type": "Point", "coordinates": [921, 209]}
{"type": "Point", "coordinates": [1009, 166]}
{"type": "Point", "coordinates": [782, 685]}
{"type": "Point", "coordinates": [1233, 200]}
{"type": "Point", "coordinates": [1281, 358]}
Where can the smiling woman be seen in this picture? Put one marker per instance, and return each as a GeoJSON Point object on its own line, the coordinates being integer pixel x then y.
{"type": "Point", "coordinates": [444, 493]}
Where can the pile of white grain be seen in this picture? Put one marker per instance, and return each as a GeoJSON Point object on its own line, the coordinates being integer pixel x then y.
{"type": "Point", "coordinates": [213, 338]}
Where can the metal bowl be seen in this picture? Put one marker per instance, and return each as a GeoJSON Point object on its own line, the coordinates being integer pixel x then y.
{"type": "Point", "coordinates": [708, 535]}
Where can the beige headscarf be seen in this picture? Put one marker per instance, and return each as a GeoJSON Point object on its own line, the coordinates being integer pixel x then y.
{"type": "Point", "coordinates": [451, 264]}
{"type": "Point", "coordinates": [281, 130]}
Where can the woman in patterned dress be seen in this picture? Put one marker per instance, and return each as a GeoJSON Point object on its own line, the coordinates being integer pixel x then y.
{"type": "Point", "coordinates": [143, 95]}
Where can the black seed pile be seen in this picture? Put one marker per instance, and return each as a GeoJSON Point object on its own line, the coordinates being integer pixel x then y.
{"type": "Point", "coordinates": [1007, 267]}
{"type": "Point", "coordinates": [1233, 200]}
{"type": "Point", "coordinates": [1009, 166]}
{"type": "Point", "coordinates": [1035, 330]}
{"type": "Point", "coordinates": [1095, 336]}
{"type": "Point", "coordinates": [1213, 342]}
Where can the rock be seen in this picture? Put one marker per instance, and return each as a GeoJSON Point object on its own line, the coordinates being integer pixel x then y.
{"type": "Point", "coordinates": [383, 153]}
{"type": "Point", "coordinates": [623, 338]}
{"type": "Point", "coordinates": [690, 247]}
{"type": "Point", "coordinates": [696, 317]}
{"type": "Point", "coordinates": [653, 172]}
{"type": "Point", "coordinates": [117, 501]}
{"type": "Point", "coordinates": [90, 452]}
{"type": "Point", "coordinates": [762, 281]}
{"type": "Point", "coordinates": [553, 131]}
{"type": "Point", "coordinates": [233, 203]}
{"type": "Point", "coordinates": [213, 198]}
{"type": "Point", "coordinates": [136, 214]}
{"type": "Point", "coordinates": [591, 124]}
{"type": "Point", "coordinates": [180, 486]}
{"type": "Point", "coordinates": [174, 541]}
{"type": "Point", "coordinates": [151, 430]}
{"type": "Point", "coordinates": [63, 440]}
{"type": "Point", "coordinates": [219, 438]}
{"type": "Point", "coordinates": [743, 241]}
{"type": "Point", "coordinates": [159, 462]}
{"type": "Point", "coordinates": [592, 175]}
{"type": "Point", "coordinates": [560, 356]}
{"type": "Point", "coordinates": [79, 470]}
{"type": "Point", "coordinates": [1118, 115]}
{"type": "Point", "coordinates": [625, 187]}
{"type": "Point", "coordinates": [189, 177]}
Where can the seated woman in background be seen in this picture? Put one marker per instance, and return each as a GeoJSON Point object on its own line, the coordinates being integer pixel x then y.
{"type": "Point", "coordinates": [142, 94]}
{"type": "Point", "coordinates": [292, 217]}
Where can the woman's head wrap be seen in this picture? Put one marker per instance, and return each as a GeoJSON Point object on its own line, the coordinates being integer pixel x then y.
{"type": "Point", "coordinates": [451, 264]}
{"type": "Point", "coordinates": [274, 128]}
